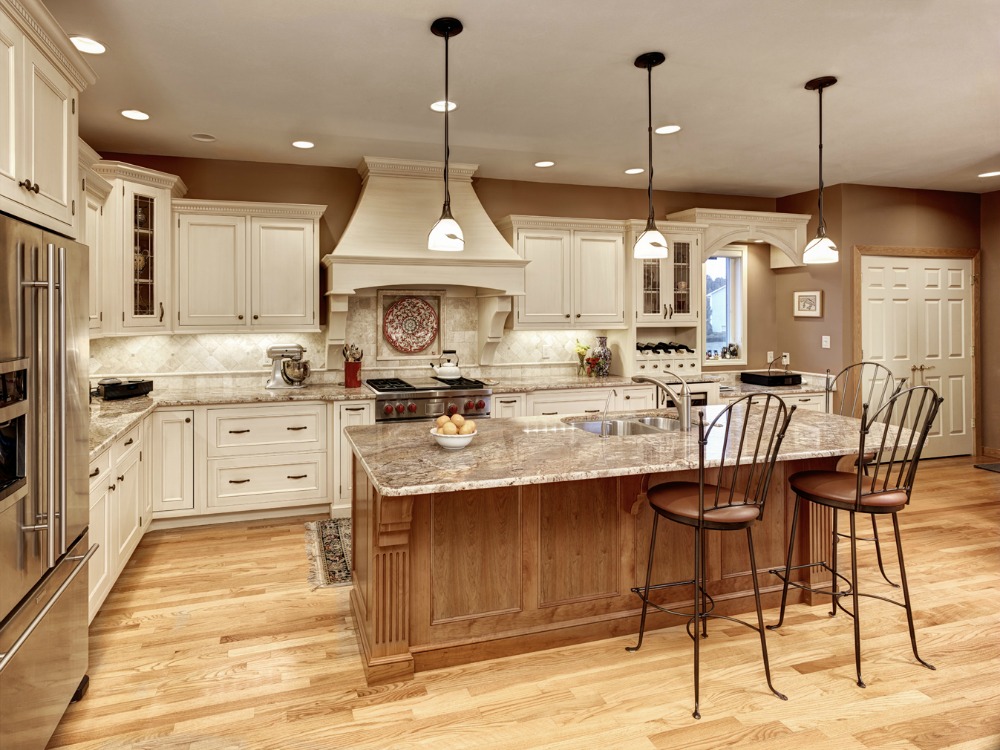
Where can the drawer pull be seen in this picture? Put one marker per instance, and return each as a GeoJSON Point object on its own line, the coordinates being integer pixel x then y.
{"type": "Point", "coordinates": [805, 400]}
{"type": "Point", "coordinates": [508, 401]}
{"type": "Point", "coordinates": [591, 411]}
{"type": "Point", "coordinates": [238, 481]}
{"type": "Point", "coordinates": [129, 442]}
{"type": "Point", "coordinates": [354, 408]}
{"type": "Point", "coordinates": [296, 429]}
{"type": "Point", "coordinates": [297, 476]}
{"type": "Point", "coordinates": [95, 472]}
{"type": "Point", "coordinates": [238, 432]}
{"type": "Point", "coordinates": [121, 477]}
{"type": "Point", "coordinates": [549, 413]}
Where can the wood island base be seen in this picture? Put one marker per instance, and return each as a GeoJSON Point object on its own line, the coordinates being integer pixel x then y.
{"type": "Point", "coordinates": [456, 577]}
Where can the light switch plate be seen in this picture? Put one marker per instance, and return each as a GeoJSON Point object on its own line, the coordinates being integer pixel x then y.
{"type": "Point", "coordinates": [825, 342]}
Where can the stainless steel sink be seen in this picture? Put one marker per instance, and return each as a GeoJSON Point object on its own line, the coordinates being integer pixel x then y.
{"type": "Point", "coordinates": [661, 423]}
{"type": "Point", "coordinates": [616, 427]}
{"type": "Point", "coordinates": [630, 426]}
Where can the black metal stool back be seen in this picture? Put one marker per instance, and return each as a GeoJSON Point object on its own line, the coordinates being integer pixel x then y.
{"type": "Point", "coordinates": [736, 455]}
{"type": "Point", "coordinates": [848, 392]}
{"type": "Point", "coordinates": [891, 439]}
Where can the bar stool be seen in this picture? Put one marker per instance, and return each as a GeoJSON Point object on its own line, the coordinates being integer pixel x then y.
{"type": "Point", "coordinates": [862, 383]}
{"type": "Point", "coordinates": [898, 431]}
{"type": "Point", "coordinates": [736, 454]}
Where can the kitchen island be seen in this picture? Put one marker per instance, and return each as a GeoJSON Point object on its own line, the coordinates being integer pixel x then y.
{"type": "Point", "coordinates": [533, 535]}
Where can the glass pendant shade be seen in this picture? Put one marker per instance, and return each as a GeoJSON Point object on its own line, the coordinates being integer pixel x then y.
{"type": "Point", "coordinates": [820, 250]}
{"type": "Point", "coordinates": [446, 235]}
{"type": "Point", "coordinates": [650, 244]}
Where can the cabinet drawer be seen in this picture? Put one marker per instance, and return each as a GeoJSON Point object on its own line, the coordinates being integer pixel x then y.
{"type": "Point", "coordinates": [100, 469]}
{"type": "Point", "coordinates": [126, 445]}
{"type": "Point", "coordinates": [815, 402]}
{"type": "Point", "coordinates": [273, 481]}
{"type": "Point", "coordinates": [268, 429]}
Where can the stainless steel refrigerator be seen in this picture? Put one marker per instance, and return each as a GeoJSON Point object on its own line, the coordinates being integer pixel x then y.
{"type": "Point", "coordinates": [44, 509]}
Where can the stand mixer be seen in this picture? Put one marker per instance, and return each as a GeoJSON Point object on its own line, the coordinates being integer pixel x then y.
{"type": "Point", "coordinates": [288, 368]}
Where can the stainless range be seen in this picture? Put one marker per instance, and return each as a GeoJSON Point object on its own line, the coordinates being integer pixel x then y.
{"type": "Point", "coordinates": [428, 398]}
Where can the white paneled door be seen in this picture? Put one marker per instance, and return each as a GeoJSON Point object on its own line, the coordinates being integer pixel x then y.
{"type": "Point", "coordinates": [916, 318]}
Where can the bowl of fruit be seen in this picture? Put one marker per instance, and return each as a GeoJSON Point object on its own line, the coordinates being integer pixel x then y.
{"type": "Point", "coordinates": [453, 432]}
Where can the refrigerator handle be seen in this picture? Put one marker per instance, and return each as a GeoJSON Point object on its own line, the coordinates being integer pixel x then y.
{"type": "Point", "coordinates": [63, 354]}
{"type": "Point", "coordinates": [51, 301]}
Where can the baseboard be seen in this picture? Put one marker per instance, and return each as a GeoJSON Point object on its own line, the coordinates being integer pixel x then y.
{"type": "Point", "coordinates": [255, 515]}
{"type": "Point", "coordinates": [991, 452]}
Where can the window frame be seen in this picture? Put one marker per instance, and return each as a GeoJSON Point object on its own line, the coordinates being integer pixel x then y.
{"type": "Point", "coordinates": [737, 310]}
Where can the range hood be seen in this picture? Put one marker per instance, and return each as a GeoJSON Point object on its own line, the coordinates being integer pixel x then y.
{"type": "Point", "coordinates": [385, 245]}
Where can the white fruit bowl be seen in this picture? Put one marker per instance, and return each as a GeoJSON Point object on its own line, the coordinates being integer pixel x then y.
{"type": "Point", "coordinates": [452, 442]}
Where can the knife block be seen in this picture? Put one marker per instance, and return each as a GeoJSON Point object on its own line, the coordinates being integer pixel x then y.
{"type": "Point", "coordinates": [352, 374]}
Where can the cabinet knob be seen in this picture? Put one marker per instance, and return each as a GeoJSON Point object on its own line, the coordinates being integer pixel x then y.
{"type": "Point", "coordinates": [241, 317]}
{"type": "Point", "coordinates": [26, 184]}
{"type": "Point", "coordinates": [187, 420]}
{"type": "Point", "coordinates": [121, 477]}
{"type": "Point", "coordinates": [578, 315]}
{"type": "Point", "coordinates": [567, 315]}
{"type": "Point", "coordinates": [256, 317]}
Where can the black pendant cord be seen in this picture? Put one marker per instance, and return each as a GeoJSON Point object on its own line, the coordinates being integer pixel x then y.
{"type": "Point", "coordinates": [649, 133]}
{"type": "Point", "coordinates": [821, 229]}
{"type": "Point", "coordinates": [447, 147]}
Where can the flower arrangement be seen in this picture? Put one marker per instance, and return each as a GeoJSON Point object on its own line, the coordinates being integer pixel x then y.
{"type": "Point", "coordinates": [581, 354]}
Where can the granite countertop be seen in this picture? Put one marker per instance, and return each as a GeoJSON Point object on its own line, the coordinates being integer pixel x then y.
{"type": "Point", "coordinates": [744, 389]}
{"type": "Point", "coordinates": [525, 384]}
{"type": "Point", "coordinates": [404, 459]}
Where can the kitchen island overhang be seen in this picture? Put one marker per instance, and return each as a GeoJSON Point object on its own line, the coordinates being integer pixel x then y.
{"type": "Point", "coordinates": [531, 537]}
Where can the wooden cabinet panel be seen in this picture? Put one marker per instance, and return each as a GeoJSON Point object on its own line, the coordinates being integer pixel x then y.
{"type": "Point", "coordinates": [10, 136]}
{"type": "Point", "coordinates": [578, 551]}
{"type": "Point", "coordinates": [277, 480]}
{"type": "Point", "coordinates": [579, 401]}
{"type": "Point", "coordinates": [348, 414]}
{"type": "Point", "coordinates": [126, 499]}
{"type": "Point", "coordinates": [284, 266]}
{"type": "Point", "coordinates": [266, 429]}
{"type": "Point", "coordinates": [507, 405]}
{"type": "Point", "coordinates": [546, 279]}
{"type": "Point", "coordinates": [172, 482]}
{"type": "Point", "coordinates": [598, 287]}
{"type": "Point", "coordinates": [475, 554]}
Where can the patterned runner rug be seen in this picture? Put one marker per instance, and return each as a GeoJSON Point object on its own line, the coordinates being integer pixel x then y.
{"type": "Point", "coordinates": [328, 547]}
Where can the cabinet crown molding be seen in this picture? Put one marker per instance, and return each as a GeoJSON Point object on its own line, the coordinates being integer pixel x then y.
{"type": "Point", "coordinates": [35, 21]}
{"type": "Point", "coordinates": [248, 208]}
{"type": "Point", "coordinates": [119, 170]}
{"type": "Point", "coordinates": [390, 167]}
{"type": "Point", "coordinates": [560, 222]}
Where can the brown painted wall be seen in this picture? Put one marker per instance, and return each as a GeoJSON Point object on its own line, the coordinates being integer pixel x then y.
{"type": "Point", "coordinates": [989, 359]}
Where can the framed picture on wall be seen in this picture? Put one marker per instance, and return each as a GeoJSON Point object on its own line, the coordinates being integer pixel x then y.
{"type": "Point", "coordinates": [808, 304]}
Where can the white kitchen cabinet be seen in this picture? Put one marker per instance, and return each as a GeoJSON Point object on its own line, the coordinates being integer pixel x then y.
{"type": "Point", "coordinates": [637, 397]}
{"type": "Point", "coordinates": [570, 401]}
{"type": "Point", "coordinates": [117, 502]}
{"type": "Point", "coordinates": [172, 470]}
{"type": "Point", "coordinates": [247, 266]}
{"type": "Point", "coordinates": [808, 401]}
{"type": "Point", "coordinates": [668, 290]}
{"type": "Point", "coordinates": [101, 571]}
{"type": "Point", "coordinates": [507, 405]}
{"type": "Point", "coordinates": [347, 414]}
{"type": "Point", "coordinates": [137, 260]}
{"type": "Point", "coordinates": [38, 132]}
{"type": "Point", "coordinates": [575, 278]}
{"type": "Point", "coordinates": [94, 192]}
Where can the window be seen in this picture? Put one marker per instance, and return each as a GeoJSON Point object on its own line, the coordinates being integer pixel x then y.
{"type": "Point", "coordinates": [725, 305]}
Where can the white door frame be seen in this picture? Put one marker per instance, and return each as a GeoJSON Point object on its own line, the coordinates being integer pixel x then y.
{"type": "Point", "coordinates": [926, 252]}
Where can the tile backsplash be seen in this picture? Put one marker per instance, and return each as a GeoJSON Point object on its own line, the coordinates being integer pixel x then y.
{"type": "Point", "coordinates": [245, 352]}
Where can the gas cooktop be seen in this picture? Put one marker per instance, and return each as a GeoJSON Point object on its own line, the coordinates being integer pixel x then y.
{"type": "Point", "coordinates": [398, 385]}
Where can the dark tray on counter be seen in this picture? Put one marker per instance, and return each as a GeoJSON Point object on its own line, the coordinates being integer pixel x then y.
{"type": "Point", "coordinates": [772, 379]}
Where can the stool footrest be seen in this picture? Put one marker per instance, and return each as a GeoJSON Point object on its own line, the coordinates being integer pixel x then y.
{"type": "Point", "coordinates": [780, 573]}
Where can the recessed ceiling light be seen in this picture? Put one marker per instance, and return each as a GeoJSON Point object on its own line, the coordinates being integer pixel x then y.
{"type": "Point", "coordinates": [204, 137]}
{"type": "Point", "coordinates": [667, 129]}
{"type": "Point", "coordinates": [544, 164]}
{"type": "Point", "coordinates": [303, 144]}
{"type": "Point", "coordinates": [134, 114]}
{"type": "Point", "coordinates": [88, 45]}
{"type": "Point", "coordinates": [635, 170]}
{"type": "Point", "coordinates": [990, 174]}
{"type": "Point", "coordinates": [439, 106]}
{"type": "Point", "coordinates": [759, 242]}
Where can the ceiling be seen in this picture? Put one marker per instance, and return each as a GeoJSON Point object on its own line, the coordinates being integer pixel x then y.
{"type": "Point", "coordinates": [917, 104]}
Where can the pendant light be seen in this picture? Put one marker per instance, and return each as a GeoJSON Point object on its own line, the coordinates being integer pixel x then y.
{"type": "Point", "coordinates": [821, 248]}
{"type": "Point", "coordinates": [651, 243]}
{"type": "Point", "coordinates": [446, 234]}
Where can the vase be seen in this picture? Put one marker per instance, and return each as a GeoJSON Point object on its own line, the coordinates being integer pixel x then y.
{"type": "Point", "coordinates": [603, 355]}
{"type": "Point", "coordinates": [583, 365]}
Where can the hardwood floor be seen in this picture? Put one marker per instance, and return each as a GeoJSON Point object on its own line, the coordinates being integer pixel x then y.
{"type": "Point", "coordinates": [213, 640]}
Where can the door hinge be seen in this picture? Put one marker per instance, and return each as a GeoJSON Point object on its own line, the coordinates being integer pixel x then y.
{"type": "Point", "coordinates": [140, 456]}
{"type": "Point", "coordinates": [74, 207]}
{"type": "Point", "coordinates": [83, 184]}
{"type": "Point", "coordinates": [973, 422]}
{"type": "Point", "coordinates": [972, 350]}
{"type": "Point", "coordinates": [101, 316]}
{"type": "Point", "coordinates": [123, 316]}
{"type": "Point", "coordinates": [74, 106]}
{"type": "Point", "coordinates": [178, 222]}
{"type": "Point", "coordinates": [975, 279]}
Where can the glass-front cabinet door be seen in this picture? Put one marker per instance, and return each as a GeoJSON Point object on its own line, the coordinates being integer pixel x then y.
{"type": "Point", "coordinates": [668, 289]}
{"type": "Point", "coordinates": [146, 249]}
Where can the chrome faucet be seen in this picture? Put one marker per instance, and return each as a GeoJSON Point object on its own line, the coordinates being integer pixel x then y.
{"type": "Point", "coordinates": [683, 401]}
{"type": "Point", "coordinates": [604, 419]}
